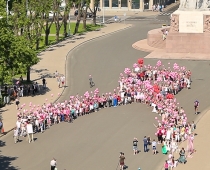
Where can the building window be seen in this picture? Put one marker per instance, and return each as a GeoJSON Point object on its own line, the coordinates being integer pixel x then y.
{"type": "Point", "coordinates": [106, 3]}
{"type": "Point", "coordinates": [135, 4]}
{"type": "Point", "coordinates": [124, 3]}
{"type": "Point", "coordinates": [114, 3]}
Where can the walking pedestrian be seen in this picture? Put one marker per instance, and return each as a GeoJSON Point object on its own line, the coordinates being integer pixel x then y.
{"type": "Point", "coordinates": [16, 135]}
{"type": "Point", "coordinates": [135, 148]}
{"type": "Point", "coordinates": [17, 103]}
{"type": "Point", "coordinates": [62, 80]}
{"type": "Point", "coordinates": [154, 147]}
{"type": "Point", "coordinates": [145, 144]}
{"type": "Point", "coordinates": [91, 81]}
{"type": "Point", "coordinates": [122, 161]}
{"type": "Point", "coordinates": [1, 127]}
{"type": "Point", "coordinates": [53, 164]}
{"type": "Point", "coordinates": [196, 105]}
{"type": "Point", "coordinates": [166, 165]}
{"type": "Point", "coordinates": [30, 132]}
{"type": "Point", "coordinates": [59, 81]}
{"type": "Point", "coordinates": [56, 74]}
{"type": "Point", "coordinates": [44, 83]}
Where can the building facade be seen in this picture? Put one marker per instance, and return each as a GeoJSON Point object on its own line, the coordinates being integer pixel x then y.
{"type": "Point", "coordinates": [131, 5]}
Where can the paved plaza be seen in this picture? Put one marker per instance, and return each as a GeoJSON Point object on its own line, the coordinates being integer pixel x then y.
{"type": "Point", "coordinates": [94, 141]}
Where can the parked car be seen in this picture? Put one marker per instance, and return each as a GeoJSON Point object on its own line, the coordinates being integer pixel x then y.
{"type": "Point", "coordinates": [89, 14]}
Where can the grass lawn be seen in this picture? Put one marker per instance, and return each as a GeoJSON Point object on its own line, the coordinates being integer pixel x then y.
{"type": "Point", "coordinates": [52, 39]}
{"type": "Point", "coordinates": [89, 27]}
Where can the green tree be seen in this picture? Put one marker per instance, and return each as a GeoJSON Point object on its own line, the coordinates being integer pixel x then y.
{"type": "Point", "coordinates": [78, 3]}
{"type": "Point", "coordinates": [26, 24]}
{"type": "Point", "coordinates": [66, 16]}
{"type": "Point", "coordinates": [47, 16]}
{"type": "Point", "coordinates": [58, 15]}
{"type": "Point", "coordinates": [16, 56]}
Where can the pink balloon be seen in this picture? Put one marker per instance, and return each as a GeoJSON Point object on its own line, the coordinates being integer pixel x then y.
{"type": "Point", "coordinates": [46, 99]}
{"type": "Point", "coordinates": [58, 94]}
{"type": "Point", "coordinates": [155, 134]}
{"type": "Point", "coordinates": [51, 95]}
{"type": "Point", "coordinates": [156, 118]}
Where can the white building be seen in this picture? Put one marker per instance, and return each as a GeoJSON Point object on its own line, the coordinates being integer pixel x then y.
{"type": "Point", "coordinates": [130, 5]}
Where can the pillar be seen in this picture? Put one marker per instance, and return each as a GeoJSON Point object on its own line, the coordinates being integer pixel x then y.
{"type": "Point", "coordinates": [110, 4]}
{"type": "Point", "coordinates": [129, 4]}
{"type": "Point", "coordinates": [150, 4]}
{"type": "Point", "coordinates": [141, 5]}
{"type": "Point", "coordinates": [119, 4]}
{"type": "Point", "coordinates": [101, 5]}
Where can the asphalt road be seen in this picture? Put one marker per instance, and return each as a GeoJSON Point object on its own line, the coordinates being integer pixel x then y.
{"type": "Point", "coordinates": [94, 141]}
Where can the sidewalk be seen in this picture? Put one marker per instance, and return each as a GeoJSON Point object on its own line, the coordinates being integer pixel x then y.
{"type": "Point", "coordinates": [200, 159]}
{"type": "Point", "coordinates": [51, 60]}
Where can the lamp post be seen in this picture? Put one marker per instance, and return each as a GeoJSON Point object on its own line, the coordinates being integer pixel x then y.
{"type": "Point", "coordinates": [103, 11]}
{"type": "Point", "coordinates": [69, 24]}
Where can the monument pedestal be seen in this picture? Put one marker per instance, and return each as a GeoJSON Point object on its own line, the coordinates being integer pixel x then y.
{"type": "Point", "coordinates": [189, 32]}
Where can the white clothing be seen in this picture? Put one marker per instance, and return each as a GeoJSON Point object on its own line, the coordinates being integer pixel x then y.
{"type": "Point", "coordinates": [53, 163]}
{"type": "Point", "coordinates": [16, 132]}
{"type": "Point", "coordinates": [18, 123]}
{"type": "Point", "coordinates": [168, 135]}
{"type": "Point", "coordinates": [137, 69]}
{"type": "Point", "coordinates": [154, 108]}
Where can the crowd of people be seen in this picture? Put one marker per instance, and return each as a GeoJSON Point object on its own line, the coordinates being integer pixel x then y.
{"type": "Point", "coordinates": [154, 86]}
{"type": "Point", "coordinates": [158, 7]}
{"type": "Point", "coordinates": [20, 89]}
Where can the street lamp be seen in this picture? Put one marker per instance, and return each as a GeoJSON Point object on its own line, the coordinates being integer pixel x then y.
{"type": "Point", "coordinates": [103, 11]}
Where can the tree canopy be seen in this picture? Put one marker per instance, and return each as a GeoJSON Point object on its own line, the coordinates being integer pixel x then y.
{"type": "Point", "coordinates": [16, 55]}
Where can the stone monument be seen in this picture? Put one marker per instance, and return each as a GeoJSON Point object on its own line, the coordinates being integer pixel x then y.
{"type": "Point", "coordinates": [190, 28]}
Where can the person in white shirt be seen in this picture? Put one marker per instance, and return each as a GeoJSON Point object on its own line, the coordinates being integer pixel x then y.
{"type": "Point", "coordinates": [53, 164]}
{"type": "Point", "coordinates": [18, 125]}
{"type": "Point", "coordinates": [16, 135]}
{"type": "Point", "coordinates": [30, 132]}
{"type": "Point", "coordinates": [62, 81]}
{"type": "Point", "coordinates": [154, 147]}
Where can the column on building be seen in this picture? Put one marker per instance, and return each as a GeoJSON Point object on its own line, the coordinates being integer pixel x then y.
{"type": "Point", "coordinates": [150, 4]}
{"type": "Point", "coordinates": [141, 5]}
{"type": "Point", "coordinates": [119, 3]}
{"type": "Point", "coordinates": [129, 4]}
{"type": "Point", "coordinates": [110, 3]}
{"type": "Point", "coordinates": [101, 4]}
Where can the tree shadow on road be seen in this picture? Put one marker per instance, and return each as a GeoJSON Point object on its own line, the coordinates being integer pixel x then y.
{"type": "Point", "coordinates": [6, 161]}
